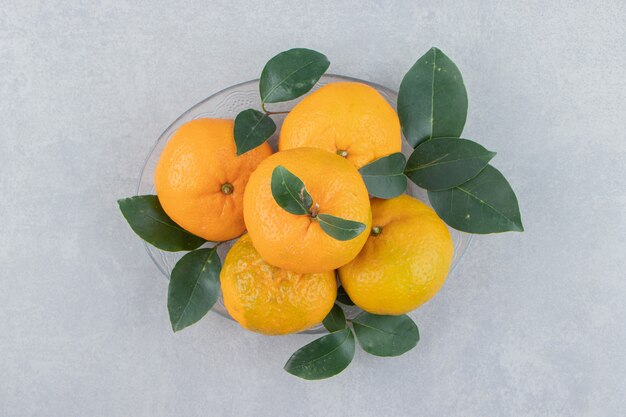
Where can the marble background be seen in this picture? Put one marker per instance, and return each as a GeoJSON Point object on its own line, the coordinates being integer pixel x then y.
{"type": "Point", "coordinates": [530, 324]}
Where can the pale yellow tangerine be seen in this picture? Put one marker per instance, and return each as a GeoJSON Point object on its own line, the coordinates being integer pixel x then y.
{"type": "Point", "coordinates": [406, 264]}
{"type": "Point", "coordinates": [270, 300]}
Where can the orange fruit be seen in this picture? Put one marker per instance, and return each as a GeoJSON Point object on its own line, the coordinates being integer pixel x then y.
{"type": "Point", "coordinates": [347, 118]}
{"type": "Point", "coordinates": [200, 180]}
{"type": "Point", "coordinates": [405, 261]}
{"type": "Point", "coordinates": [297, 242]}
{"type": "Point", "coordinates": [270, 300]}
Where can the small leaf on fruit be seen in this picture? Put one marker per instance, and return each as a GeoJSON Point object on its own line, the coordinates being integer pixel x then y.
{"type": "Point", "coordinates": [291, 74]}
{"type": "Point", "coordinates": [385, 177]}
{"type": "Point", "coordinates": [335, 320]}
{"type": "Point", "coordinates": [385, 335]}
{"type": "Point", "coordinates": [484, 204]}
{"type": "Point", "coordinates": [194, 287]}
{"type": "Point", "coordinates": [252, 128]}
{"type": "Point", "coordinates": [324, 357]}
{"type": "Point", "coordinates": [432, 100]}
{"type": "Point", "coordinates": [146, 217]}
{"type": "Point", "coordinates": [289, 191]}
{"type": "Point", "coordinates": [338, 228]}
{"type": "Point", "coordinates": [443, 163]}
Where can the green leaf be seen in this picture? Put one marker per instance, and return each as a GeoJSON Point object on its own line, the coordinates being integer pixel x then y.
{"type": "Point", "coordinates": [289, 191]}
{"type": "Point", "coordinates": [335, 320]}
{"type": "Point", "coordinates": [324, 357]}
{"type": "Point", "coordinates": [194, 287]}
{"type": "Point", "coordinates": [484, 204]}
{"type": "Point", "coordinates": [291, 74]}
{"type": "Point", "coordinates": [444, 163]}
{"type": "Point", "coordinates": [384, 177]}
{"type": "Point", "coordinates": [252, 128]}
{"type": "Point", "coordinates": [146, 217]}
{"type": "Point", "coordinates": [432, 101]}
{"type": "Point", "coordinates": [385, 335]}
{"type": "Point", "coordinates": [338, 228]}
{"type": "Point", "coordinates": [343, 297]}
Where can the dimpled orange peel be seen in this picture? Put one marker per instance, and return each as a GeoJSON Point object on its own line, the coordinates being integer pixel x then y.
{"type": "Point", "coordinates": [200, 180]}
{"type": "Point", "coordinates": [405, 260]}
{"type": "Point", "coordinates": [348, 118]}
{"type": "Point", "coordinates": [271, 300]}
{"type": "Point", "coordinates": [297, 242]}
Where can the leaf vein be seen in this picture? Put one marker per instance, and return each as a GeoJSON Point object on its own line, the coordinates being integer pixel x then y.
{"type": "Point", "coordinates": [432, 94]}
{"type": "Point", "coordinates": [269, 93]}
{"type": "Point", "coordinates": [304, 364]}
{"type": "Point", "coordinates": [195, 286]}
{"type": "Point", "coordinates": [486, 204]}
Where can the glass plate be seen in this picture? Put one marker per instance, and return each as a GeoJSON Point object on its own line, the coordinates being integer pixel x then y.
{"type": "Point", "coordinates": [226, 104]}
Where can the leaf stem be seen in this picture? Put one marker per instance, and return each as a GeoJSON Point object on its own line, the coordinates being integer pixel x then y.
{"type": "Point", "coordinates": [315, 210]}
{"type": "Point", "coordinates": [269, 113]}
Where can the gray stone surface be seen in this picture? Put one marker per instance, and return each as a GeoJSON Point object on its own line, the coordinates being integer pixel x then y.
{"type": "Point", "coordinates": [530, 324]}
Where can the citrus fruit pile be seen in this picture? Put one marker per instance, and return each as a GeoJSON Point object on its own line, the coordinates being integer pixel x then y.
{"type": "Point", "coordinates": [279, 277]}
{"type": "Point", "coordinates": [321, 221]}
